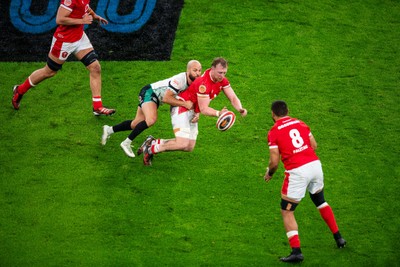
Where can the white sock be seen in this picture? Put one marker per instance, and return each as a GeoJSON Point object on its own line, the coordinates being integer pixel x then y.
{"type": "Point", "coordinates": [155, 148]}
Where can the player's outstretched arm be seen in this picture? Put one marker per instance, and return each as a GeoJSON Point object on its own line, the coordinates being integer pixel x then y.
{"type": "Point", "coordinates": [235, 101]}
{"type": "Point", "coordinates": [205, 109]}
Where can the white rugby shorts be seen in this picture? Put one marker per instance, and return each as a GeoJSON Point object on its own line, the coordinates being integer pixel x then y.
{"type": "Point", "coordinates": [308, 177]}
{"type": "Point", "coordinates": [182, 123]}
{"type": "Point", "coordinates": [63, 50]}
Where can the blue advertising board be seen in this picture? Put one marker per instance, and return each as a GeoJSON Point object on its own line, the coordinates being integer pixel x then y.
{"type": "Point", "coordinates": [137, 29]}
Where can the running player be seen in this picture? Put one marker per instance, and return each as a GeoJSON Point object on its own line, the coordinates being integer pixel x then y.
{"type": "Point", "coordinates": [70, 38]}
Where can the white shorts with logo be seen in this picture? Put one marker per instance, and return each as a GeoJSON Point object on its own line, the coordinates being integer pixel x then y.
{"type": "Point", "coordinates": [308, 177]}
{"type": "Point", "coordinates": [182, 124]}
{"type": "Point", "coordinates": [63, 50]}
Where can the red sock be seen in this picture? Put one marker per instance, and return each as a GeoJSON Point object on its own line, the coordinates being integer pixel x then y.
{"type": "Point", "coordinates": [23, 88]}
{"type": "Point", "coordinates": [97, 102]}
{"type": "Point", "coordinates": [154, 148]}
{"type": "Point", "coordinates": [328, 216]}
{"type": "Point", "coordinates": [294, 240]}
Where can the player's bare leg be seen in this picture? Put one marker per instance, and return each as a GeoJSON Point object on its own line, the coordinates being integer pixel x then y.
{"type": "Point", "coordinates": [153, 147]}
{"type": "Point", "coordinates": [179, 143]}
{"type": "Point", "coordinates": [138, 117]}
{"type": "Point", "coordinates": [327, 214]}
{"type": "Point", "coordinates": [291, 228]}
{"type": "Point", "coordinates": [150, 113]}
{"type": "Point", "coordinates": [34, 79]}
{"type": "Point", "coordinates": [89, 58]}
{"type": "Point", "coordinates": [146, 116]}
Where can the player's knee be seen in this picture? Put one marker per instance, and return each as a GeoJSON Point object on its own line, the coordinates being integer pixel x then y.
{"type": "Point", "coordinates": [189, 148]}
{"type": "Point", "coordinates": [53, 68]}
{"type": "Point", "coordinates": [50, 73]}
{"type": "Point", "coordinates": [94, 69]}
{"type": "Point", "coordinates": [89, 59]}
{"type": "Point", "coordinates": [318, 198]}
{"type": "Point", "coordinates": [183, 144]}
{"type": "Point", "coordinates": [150, 121]}
{"type": "Point", "coordinates": [288, 205]}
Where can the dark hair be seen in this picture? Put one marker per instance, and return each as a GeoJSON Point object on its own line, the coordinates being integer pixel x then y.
{"type": "Point", "coordinates": [219, 60]}
{"type": "Point", "coordinates": [279, 108]}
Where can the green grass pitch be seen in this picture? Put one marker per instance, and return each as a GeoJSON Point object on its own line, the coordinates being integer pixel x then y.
{"type": "Point", "coordinates": [65, 200]}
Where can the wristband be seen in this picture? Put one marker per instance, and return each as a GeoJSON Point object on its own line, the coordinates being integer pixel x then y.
{"type": "Point", "coordinates": [217, 113]}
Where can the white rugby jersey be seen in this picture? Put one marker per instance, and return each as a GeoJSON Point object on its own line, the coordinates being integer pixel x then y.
{"type": "Point", "coordinates": [176, 84]}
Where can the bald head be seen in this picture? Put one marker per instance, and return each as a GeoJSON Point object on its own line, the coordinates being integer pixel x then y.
{"type": "Point", "coordinates": [193, 70]}
{"type": "Point", "coordinates": [192, 63]}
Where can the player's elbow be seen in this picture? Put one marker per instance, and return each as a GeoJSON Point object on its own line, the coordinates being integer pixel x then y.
{"type": "Point", "coordinates": [314, 146]}
{"type": "Point", "coordinates": [167, 100]}
{"type": "Point", "coordinates": [313, 143]}
{"type": "Point", "coordinates": [203, 110]}
{"type": "Point", "coordinates": [59, 20]}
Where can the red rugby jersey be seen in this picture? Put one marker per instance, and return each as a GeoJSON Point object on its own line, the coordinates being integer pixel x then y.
{"type": "Point", "coordinates": [203, 85]}
{"type": "Point", "coordinates": [292, 137]}
{"type": "Point", "coordinates": [72, 33]}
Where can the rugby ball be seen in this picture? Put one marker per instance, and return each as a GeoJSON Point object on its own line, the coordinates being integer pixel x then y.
{"type": "Point", "coordinates": [226, 121]}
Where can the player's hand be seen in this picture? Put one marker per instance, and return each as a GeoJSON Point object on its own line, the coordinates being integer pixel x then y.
{"type": "Point", "coordinates": [195, 118]}
{"type": "Point", "coordinates": [267, 177]}
{"type": "Point", "coordinates": [101, 20]}
{"type": "Point", "coordinates": [243, 112]}
{"type": "Point", "coordinates": [222, 111]}
{"type": "Point", "coordinates": [87, 19]}
{"type": "Point", "coordinates": [188, 104]}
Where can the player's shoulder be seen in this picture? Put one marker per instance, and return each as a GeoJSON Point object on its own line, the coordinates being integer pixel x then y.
{"type": "Point", "coordinates": [178, 81]}
{"type": "Point", "coordinates": [69, 3]}
{"type": "Point", "coordinates": [181, 75]}
{"type": "Point", "coordinates": [225, 81]}
{"type": "Point", "coordinates": [198, 81]}
{"type": "Point", "coordinates": [272, 134]}
{"type": "Point", "coordinates": [302, 123]}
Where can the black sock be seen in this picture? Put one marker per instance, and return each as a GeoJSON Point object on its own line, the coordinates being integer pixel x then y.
{"type": "Point", "coordinates": [123, 126]}
{"type": "Point", "coordinates": [296, 251]}
{"type": "Point", "coordinates": [140, 127]}
{"type": "Point", "coordinates": [337, 235]}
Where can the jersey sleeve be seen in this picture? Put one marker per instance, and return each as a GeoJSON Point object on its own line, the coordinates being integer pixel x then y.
{"type": "Point", "coordinates": [305, 128]}
{"type": "Point", "coordinates": [203, 91]}
{"type": "Point", "coordinates": [178, 83]}
{"type": "Point", "coordinates": [272, 140]}
{"type": "Point", "coordinates": [67, 4]}
{"type": "Point", "coordinates": [225, 83]}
